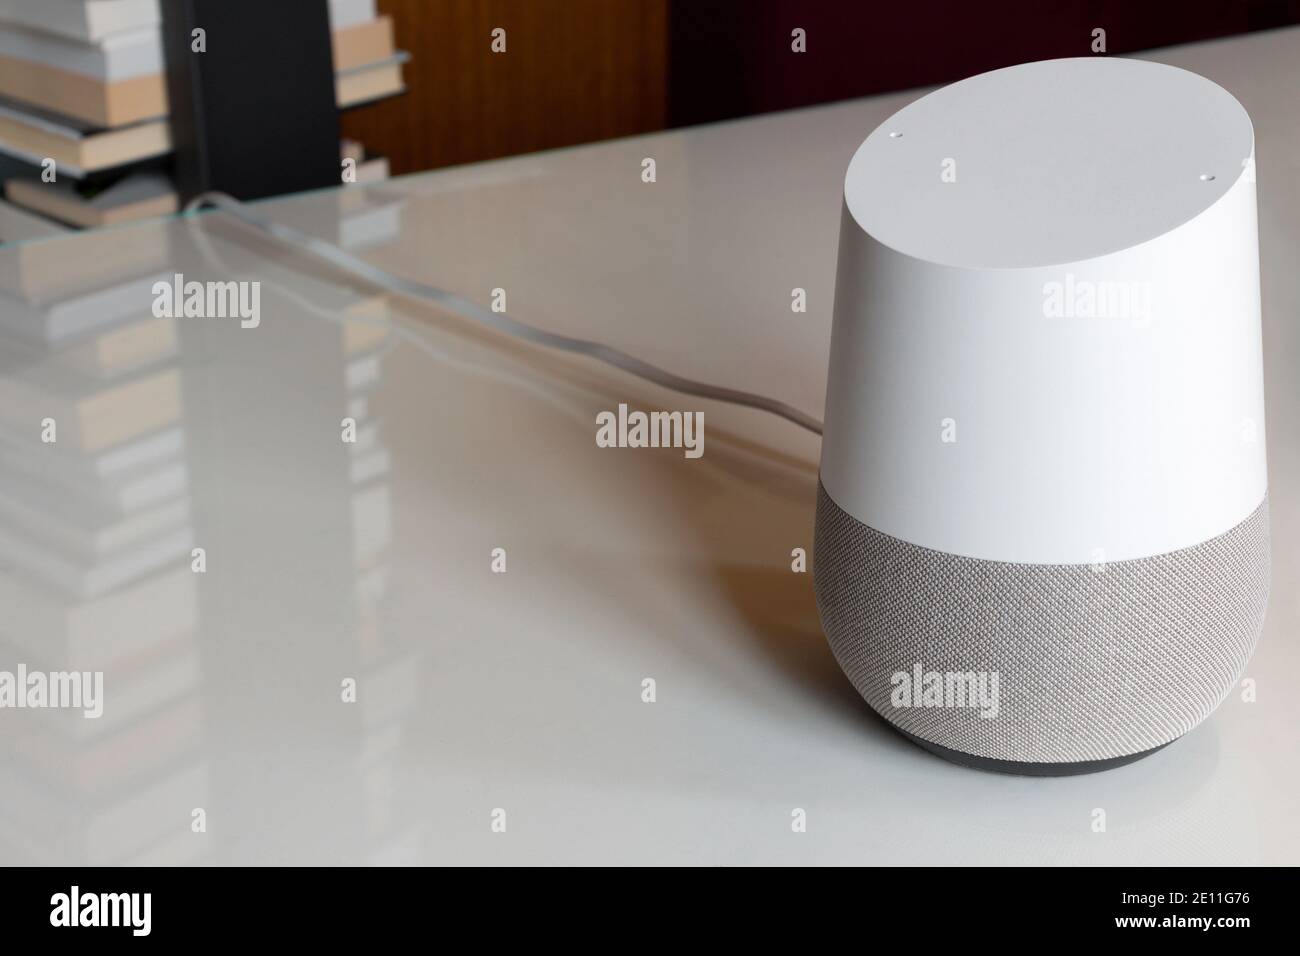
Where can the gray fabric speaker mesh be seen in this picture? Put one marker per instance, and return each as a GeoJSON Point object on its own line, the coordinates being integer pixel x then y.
{"type": "Point", "coordinates": [1092, 662]}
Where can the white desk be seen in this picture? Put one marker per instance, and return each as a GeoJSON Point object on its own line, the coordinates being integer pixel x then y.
{"type": "Point", "coordinates": [327, 560]}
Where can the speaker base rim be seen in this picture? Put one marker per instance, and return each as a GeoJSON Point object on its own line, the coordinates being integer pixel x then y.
{"type": "Point", "coordinates": [1022, 768]}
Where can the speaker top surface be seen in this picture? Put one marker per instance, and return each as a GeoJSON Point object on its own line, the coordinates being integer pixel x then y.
{"type": "Point", "coordinates": [1046, 344]}
{"type": "Point", "coordinates": [1048, 163]}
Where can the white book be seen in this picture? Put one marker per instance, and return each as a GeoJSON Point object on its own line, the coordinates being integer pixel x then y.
{"type": "Point", "coordinates": [110, 39]}
{"type": "Point", "coordinates": [61, 321]}
{"type": "Point", "coordinates": [35, 816]}
{"type": "Point", "coordinates": [362, 372]}
{"type": "Point", "coordinates": [126, 478]}
{"type": "Point", "coordinates": [79, 579]}
{"type": "Point", "coordinates": [373, 464]}
{"type": "Point", "coordinates": [348, 13]}
{"type": "Point", "coordinates": [83, 531]}
{"type": "Point", "coordinates": [120, 57]}
{"type": "Point", "coordinates": [19, 225]}
{"type": "Point", "coordinates": [89, 21]}
{"type": "Point", "coordinates": [371, 226]}
{"type": "Point", "coordinates": [372, 521]}
{"type": "Point", "coordinates": [135, 693]}
{"type": "Point", "coordinates": [139, 732]}
{"type": "Point", "coordinates": [91, 635]}
{"type": "Point", "coordinates": [112, 353]}
{"type": "Point", "coordinates": [357, 219]}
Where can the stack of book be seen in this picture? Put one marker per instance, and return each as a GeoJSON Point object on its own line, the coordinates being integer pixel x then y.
{"type": "Point", "coordinates": [391, 667]}
{"type": "Point", "coordinates": [82, 83]}
{"type": "Point", "coordinates": [16, 223]}
{"type": "Point", "coordinates": [96, 531]}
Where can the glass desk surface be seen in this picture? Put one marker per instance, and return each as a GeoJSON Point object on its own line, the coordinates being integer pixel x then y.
{"type": "Point", "coordinates": [364, 569]}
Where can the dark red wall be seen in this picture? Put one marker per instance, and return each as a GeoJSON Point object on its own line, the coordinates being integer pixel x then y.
{"type": "Point", "coordinates": [732, 57]}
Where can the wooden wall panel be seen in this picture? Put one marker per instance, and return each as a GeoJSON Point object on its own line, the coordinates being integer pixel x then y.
{"type": "Point", "coordinates": [574, 71]}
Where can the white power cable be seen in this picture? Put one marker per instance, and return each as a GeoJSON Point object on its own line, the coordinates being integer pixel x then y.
{"type": "Point", "coordinates": [476, 313]}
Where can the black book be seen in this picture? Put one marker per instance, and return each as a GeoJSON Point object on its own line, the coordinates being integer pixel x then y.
{"type": "Point", "coordinates": [254, 114]}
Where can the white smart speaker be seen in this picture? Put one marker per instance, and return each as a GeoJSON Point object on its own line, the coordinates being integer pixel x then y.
{"type": "Point", "coordinates": [1042, 527]}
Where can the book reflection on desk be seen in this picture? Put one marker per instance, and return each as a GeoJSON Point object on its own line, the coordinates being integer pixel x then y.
{"type": "Point", "coordinates": [95, 577]}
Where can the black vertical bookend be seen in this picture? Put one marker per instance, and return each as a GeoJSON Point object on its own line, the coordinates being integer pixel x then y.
{"type": "Point", "coordinates": [252, 105]}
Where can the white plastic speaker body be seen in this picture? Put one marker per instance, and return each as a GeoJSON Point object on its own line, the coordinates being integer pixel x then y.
{"type": "Point", "coordinates": [1043, 455]}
